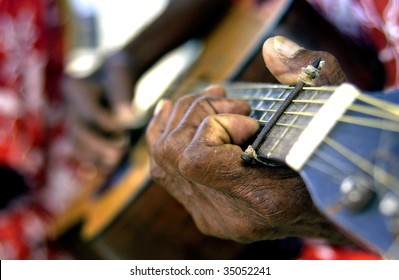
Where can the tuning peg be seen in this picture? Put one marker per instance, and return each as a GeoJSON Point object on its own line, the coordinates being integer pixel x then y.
{"type": "Point", "coordinates": [389, 206]}
{"type": "Point", "coordinates": [356, 192]}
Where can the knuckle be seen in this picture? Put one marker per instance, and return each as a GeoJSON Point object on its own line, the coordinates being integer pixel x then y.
{"type": "Point", "coordinates": [187, 163]}
{"type": "Point", "coordinates": [193, 162]}
{"type": "Point", "coordinates": [209, 121]}
{"type": "Point", "coordinates": [170, 147]}
{"type": "Point", "coordinates": [157, 151]}
{"type": "Point", "coordinates": [205, 103]}
{"type": "Point", "coordinates": [166, 152]}
{"type": "Point", "coordinates": [186, 101]}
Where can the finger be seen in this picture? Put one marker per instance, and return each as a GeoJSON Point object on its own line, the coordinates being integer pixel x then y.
{"type": "Point", "coordinates": [206, 106]}
{"type": "Point", "coordinates": [158, 122]}
{"type": "Point", "coordinates": [226, 129]}
{"type": "Point", "coordinates": [285, 59]}
{"type": "Point", "coordinates": [105, 153]}
{"type": "Point", "coordinates": [182, 105]}
{"type": "Point", "coordinates": [218, 135]}
{"type": "Point", "coordinates": [177, 140]}
{"type": "Point", "coordinates": [84, 101]}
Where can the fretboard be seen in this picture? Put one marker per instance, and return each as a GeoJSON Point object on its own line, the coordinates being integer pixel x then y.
{"type": "Point", "coordinates": [265, 100]}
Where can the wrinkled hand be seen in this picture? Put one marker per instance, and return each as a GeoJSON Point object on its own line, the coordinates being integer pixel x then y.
{"type": "Point", "coordinates": [196, 144]}
{"type": "Point", "coordinates": [99, 110]}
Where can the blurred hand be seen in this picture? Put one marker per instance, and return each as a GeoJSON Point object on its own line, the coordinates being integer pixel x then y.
{"type": "Point", "coordinates": [99, 111]}
{"type": "Point", "coordinates": [195, 146]}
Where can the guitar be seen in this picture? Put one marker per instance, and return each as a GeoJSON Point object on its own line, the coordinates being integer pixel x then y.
{"type": "Point", "coordinates": [345, 145]}
{"type": "Point", "coordinates": [133, 218]}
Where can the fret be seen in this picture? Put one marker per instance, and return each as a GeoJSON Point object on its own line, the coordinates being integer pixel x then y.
{"type": "Point", "coordinates": [272, 153]}
{"type": "Point", "coordinates": [265, 101]}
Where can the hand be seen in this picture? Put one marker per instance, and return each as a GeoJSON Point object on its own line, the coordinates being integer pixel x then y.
{"type": "Point", "coordinates": [196, 144]}
{"type": "Point", "coordinates": [99, 111]}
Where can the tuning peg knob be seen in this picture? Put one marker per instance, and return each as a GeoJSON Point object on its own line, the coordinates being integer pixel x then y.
{"type": "Point", "coordinates": [389, 206]}
{"type": "Point", "coordinates": [356, 192]}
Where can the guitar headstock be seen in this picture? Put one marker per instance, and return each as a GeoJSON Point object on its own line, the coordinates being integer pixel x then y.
{"type": "Point", "coordinates": [345, 145]}
{"type": "Point", "coordinates": [352, 176]}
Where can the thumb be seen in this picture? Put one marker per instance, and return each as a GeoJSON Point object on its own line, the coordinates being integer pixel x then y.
{"type": "Point", "coordinates": [285, 59]}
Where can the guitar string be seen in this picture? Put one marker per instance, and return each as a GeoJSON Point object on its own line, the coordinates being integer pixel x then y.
{"type": "Point", "coordinates": [383, 105]}
{"type": "Point", "coordinates": [286, 130]}
{"type": "Point", "coordinates": [271, 105]}
{"type": "Point", "coordinates": [374, 123]}
{"type": "Point", "coordinates": [286, 125]}
{"type": "Point", "coordinates": [372, 170]}
{"type": "Point", "coordinates": [365, 165]}
{"type": "Point", "coordinates": [320, 101]}
{"type": "Point", "coordinates": [281, 137]}
{"type": "Point", "coordinates": [383, 110]}
{"type": "Point", "coordinates": [340, 165]}
{"type": "Point", "coordinates": [385, 178]}
{"type": "Point", "coordinates": [376, 112]}
{"type": "Point", "coordinates": [386, 107]}
{"type": "Point", "coordinates": [245, 86]}
{"type": "Point", "coordinates": [343, 168]}
{"type": "Point", "coordinates": [262, 119]}
{"type": "Point", "coordinates": [369, 168]}
{"type": "Point", "coordinates": [327, 168]}
{"type": "Point", "coordinates": [337, 169]}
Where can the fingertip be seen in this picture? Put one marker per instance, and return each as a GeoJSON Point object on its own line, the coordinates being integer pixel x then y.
{"type": "Point", "coordinates": [158, 107]}
{"type": "Point", "coordinates": [239, 128]}
{"type": "Point", "coordinates": [267, 47]}
{"type": "Point", "coordinates": [285, 47]}
{"type": "Point", "coordinates": [162, 106]}
{"type": "Point", "coordinates": [284, 58]}
{"type": "Point", "coordinates": [158, 122]}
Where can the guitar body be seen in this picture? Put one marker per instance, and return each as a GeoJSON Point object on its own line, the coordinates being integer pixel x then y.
{"type": "Point", "coordinates": [148, 223]}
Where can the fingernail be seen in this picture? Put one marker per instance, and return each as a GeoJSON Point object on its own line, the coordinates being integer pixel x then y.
{"type": "Point", "coordinates": [159, 106]}
{"type": "Point", "coordinates": [285, 47]}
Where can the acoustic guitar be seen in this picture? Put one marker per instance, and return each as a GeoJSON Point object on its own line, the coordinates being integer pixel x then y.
{"type": "Point", "coordinates": [134, 218]}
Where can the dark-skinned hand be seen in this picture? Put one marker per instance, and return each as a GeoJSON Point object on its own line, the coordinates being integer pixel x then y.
{"type": "Point", "coordinates": [195, 146]}
{"type": "Point", "coordinates": [99, 111]}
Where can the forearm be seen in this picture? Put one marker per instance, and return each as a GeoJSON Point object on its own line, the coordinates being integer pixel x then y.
{"type": "Point", "coordinates": [180, 21]}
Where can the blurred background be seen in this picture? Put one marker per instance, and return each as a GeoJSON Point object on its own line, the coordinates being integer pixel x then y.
{"type": "Point", "coordinates": [100, 27]}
